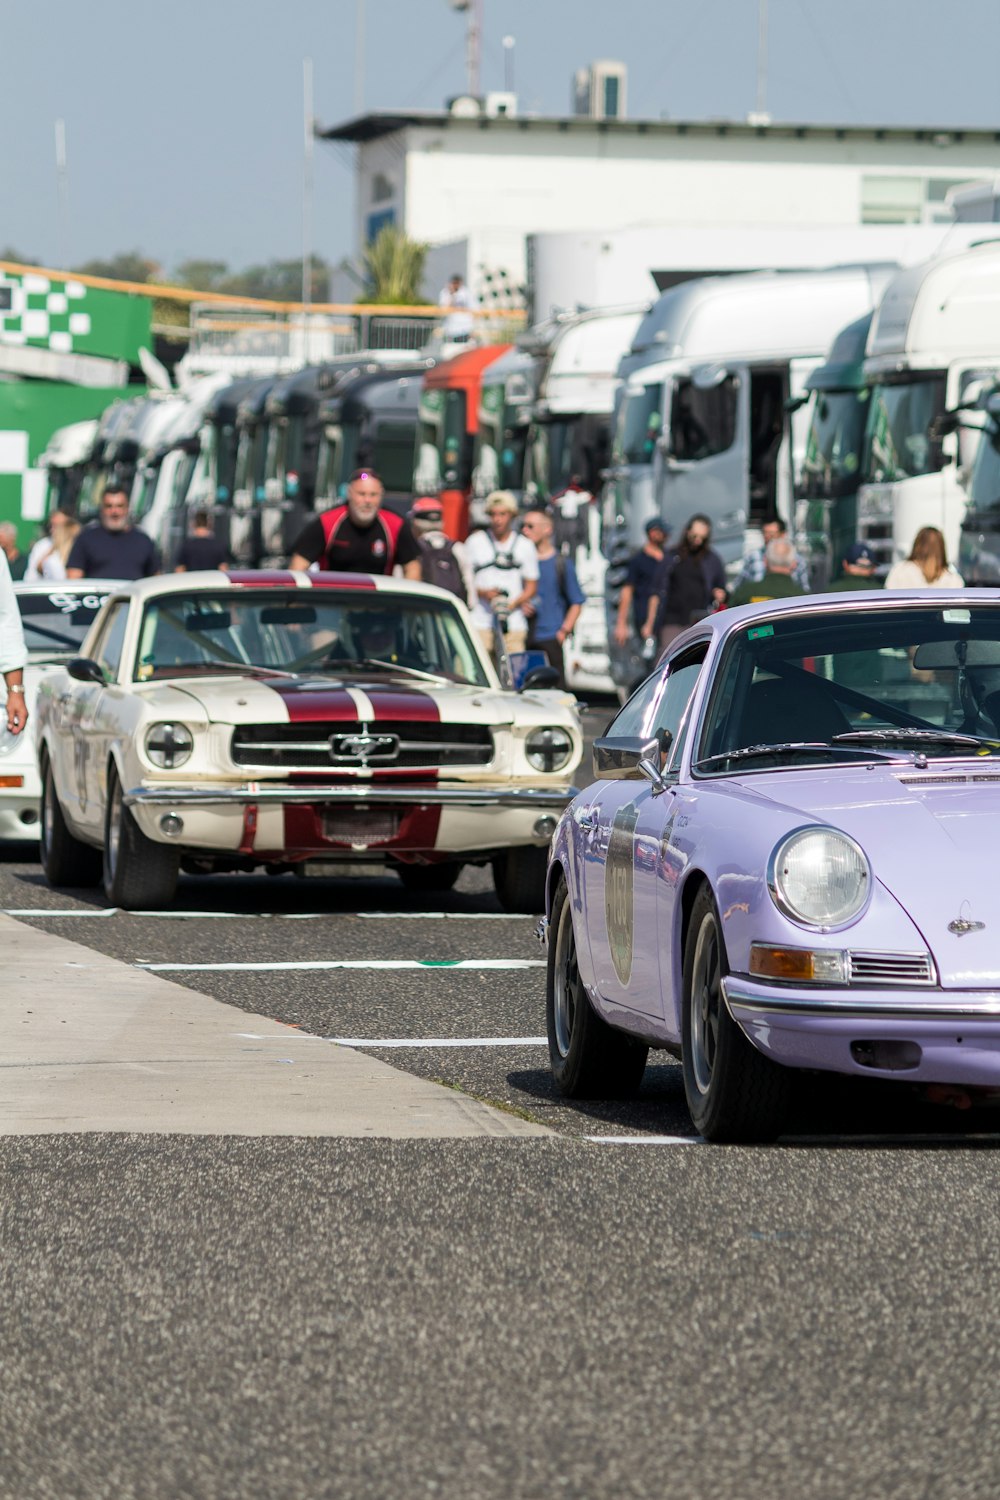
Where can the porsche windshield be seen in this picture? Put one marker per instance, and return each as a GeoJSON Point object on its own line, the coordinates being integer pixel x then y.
{"type": "Point", "coordinates": [882, 681]}
{"type": "Point", "coordinates": [55, 623]}
{"type": "Point", "coordinates": [324, 630]}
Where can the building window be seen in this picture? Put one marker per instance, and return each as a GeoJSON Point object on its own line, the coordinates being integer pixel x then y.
{"type": "Point", "coordinates": [892, 200]}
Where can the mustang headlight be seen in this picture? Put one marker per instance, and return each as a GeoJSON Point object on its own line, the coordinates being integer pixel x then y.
{"type": "Point", "coordinates": [819, 877]}
{"type": "Point", "coordinates": [169, 745]}
{"type": "Point", "coordinates": [548, 749]}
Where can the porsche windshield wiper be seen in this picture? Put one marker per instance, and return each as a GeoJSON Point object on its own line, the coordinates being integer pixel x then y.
{"type": "Point", "coordinates": [913, 735]}
{"type": "Point", "coordinates": [790, 747]}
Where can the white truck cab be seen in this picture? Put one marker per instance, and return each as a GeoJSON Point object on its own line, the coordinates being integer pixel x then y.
{"type": "Point", "coordinates": [934, 343]}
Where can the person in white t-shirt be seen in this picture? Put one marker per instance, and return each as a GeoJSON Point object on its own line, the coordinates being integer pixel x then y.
{"type": "Point", "coordinates": [457, 298]}
{"type": "Point", "coordinates": [506, 568]}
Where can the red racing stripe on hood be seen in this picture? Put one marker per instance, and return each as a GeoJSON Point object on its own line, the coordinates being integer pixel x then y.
{"type": "Point", "coordinates": [316, 704]}
{"type": "Point", "coordinates": [399, 702]}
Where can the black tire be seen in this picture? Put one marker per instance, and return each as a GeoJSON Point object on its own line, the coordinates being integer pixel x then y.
{"type": "Point", "coordinates": [519, 878]}
{"type": "Point", "coordinates": [440, 877]}
{"type": "Point", "coordinates": [734, 1092]}
{"type": "Point", "coordinates": [66, 860]}
{"type": "Point", "coordinates": [137, 871]}
{"type": "Point", "coordinates": [589, 1058]}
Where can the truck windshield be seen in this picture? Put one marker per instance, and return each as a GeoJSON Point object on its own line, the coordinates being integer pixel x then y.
{"type": "Point", "coordinates": [898, 442]}
{"type": "Point", "coordinates": [639, 424]}
{"type": "Point", "coordinates": [834, 443]}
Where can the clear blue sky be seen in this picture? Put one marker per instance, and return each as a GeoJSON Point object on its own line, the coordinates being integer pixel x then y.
{"type": "Point", "coordinates": [184, 122]}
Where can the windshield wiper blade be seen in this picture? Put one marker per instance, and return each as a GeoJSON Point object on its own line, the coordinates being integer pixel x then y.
{"type": "Point", "coordinates": [903, 736]}
{"type": "Point", "coordinates": [789, 747]}
{"type": "Point", "coordinates": [393, 666]}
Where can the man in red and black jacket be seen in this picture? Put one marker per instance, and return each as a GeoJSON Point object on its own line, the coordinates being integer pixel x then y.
{"type": "Point", "coordinates": [358, 536]}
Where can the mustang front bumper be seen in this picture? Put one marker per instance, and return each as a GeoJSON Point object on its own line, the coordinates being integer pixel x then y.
{"type": "Point", "coordinates": [927, 1035]}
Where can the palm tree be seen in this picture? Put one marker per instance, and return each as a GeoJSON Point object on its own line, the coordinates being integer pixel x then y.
{"type": "Point", "coordinates": [395, 267]}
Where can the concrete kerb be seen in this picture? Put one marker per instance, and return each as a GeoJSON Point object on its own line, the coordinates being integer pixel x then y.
{"type": "Point", "coordinates": [92, 1044]}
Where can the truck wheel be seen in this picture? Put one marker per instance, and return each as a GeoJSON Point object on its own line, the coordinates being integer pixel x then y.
{"type": "Point", "coordinates": [519, 878]}
{"type": "Point", "coordinates": [66, 860]}
{"type": "Point", "coordinates": [589, 1058]}
{"type": "Point", "coordinates": [734, 1092]}
{"type": "Point", "coordinates": [440, 877]}
{"type": "Point", "coordinates": [137, 871]}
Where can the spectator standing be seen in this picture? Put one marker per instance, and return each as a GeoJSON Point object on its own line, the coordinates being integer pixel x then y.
{"type": "Point", "coordinates": [202, 549]}
{"type": "Point", "coordinates": [459, 322]}
{"type": "Point", "coordinates": [927, 565]}
{"type": "Point", "coordinates": [111, 547]}
{"type": "Point", "coordinates": [696, 580]}
{"type": "Point", "coordinates": [778, 581]}
{"type": "Point", "coordinates": [506, 569]}
{"type": "Point", "coordinates": [442, 561]}
{"type": "Point", "coordinates": [644, 589]}
{"type": "Point", "coordinates": [857, 570]}
{"type": "Point", "coordinates": [555, 609]}
{"type": "Point", "coordinates": [754, 566]}
{"type": "Point", "coordinates": [16, 560]}
{"type": "Point", "coordinates": [358, 536]}
{"type": "Point", "coordinates": [12, 652]}
{"type": "Point", "coordinates": [48, 556]}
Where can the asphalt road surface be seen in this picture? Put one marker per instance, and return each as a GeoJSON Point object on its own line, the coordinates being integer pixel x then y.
{"type": "Point", "coordinates": [615, 1309]}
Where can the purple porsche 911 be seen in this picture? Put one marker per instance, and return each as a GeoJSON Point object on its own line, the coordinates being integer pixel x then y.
{"type": "Point", "coordinates": [788, 860]}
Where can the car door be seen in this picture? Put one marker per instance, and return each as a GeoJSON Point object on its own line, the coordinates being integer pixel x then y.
{"type": "Point", "coordinates": [81, 782]}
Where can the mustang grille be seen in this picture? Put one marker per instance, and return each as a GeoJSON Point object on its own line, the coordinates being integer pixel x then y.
{"type": "Point", "coordinates": [890, 968]}
{"type": "Point", "coordinates": [396, 746]}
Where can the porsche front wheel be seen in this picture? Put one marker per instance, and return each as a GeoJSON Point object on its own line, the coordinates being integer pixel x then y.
{"type": "Point", "coordinates": [137, 871]}
{"type": "Point", "coordinates": [589, 1058]}
{"type": "Point", "coordinates": [733, 1092]}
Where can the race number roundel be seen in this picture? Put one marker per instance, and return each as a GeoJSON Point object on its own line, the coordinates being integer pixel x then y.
{"type": "Point", "coordinates": [618, 908]}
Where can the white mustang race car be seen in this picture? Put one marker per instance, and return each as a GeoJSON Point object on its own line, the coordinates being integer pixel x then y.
{"type": "Point", "coordinates": [322, 723]}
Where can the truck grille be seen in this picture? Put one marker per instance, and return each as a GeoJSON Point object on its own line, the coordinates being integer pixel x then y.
{"type": "Point", "coordinates": [891, 968]}
{"type": "Point", "coordinates": [394, 746]}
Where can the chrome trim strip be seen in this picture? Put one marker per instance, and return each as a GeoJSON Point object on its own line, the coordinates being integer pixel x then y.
{"type": "Point", "coordinates": [399, 794]}
{"type": "Point", "coordinates": [882, 1007]}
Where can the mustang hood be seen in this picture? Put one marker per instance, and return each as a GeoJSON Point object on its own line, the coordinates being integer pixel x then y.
{"type": "Point", "coordinates": [932, 837]}
{"type": "Point", "coordinates": [371, 699]}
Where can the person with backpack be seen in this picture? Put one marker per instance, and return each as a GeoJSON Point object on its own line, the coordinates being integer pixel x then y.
{"type": "Point", "coordinates": [506, 568]}
{"type": "Point", "coordinates": [358, 536]}
{"type": "Point", "coordinates": [442, 561]}
{"type": "Point", "coordinates": [555, 609]}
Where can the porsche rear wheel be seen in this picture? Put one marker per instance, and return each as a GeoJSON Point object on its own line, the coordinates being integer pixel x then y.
{"type": "Point", "coordinates": [734, 1093]}
{"type": "Point", "coordinates": [589, 1058]}
{"type": "Point", "coordinates": [66, 860]}
{"type": "Point", "coordinates": [519, 878]}
{"type": "Point", "coordinates": [439, 877]}
{"type": "Point", "coordinates": [137, 871]}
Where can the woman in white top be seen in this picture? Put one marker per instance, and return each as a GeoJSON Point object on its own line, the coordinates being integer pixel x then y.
{"type": "Point", "coordinates": [927, 565]}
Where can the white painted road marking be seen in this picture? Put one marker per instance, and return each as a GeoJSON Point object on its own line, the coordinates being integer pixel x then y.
{"type": "Point", "coordinates": [348, 963]}
{"type": "Point", "coordinates": [265, 916]}
{"type": "Point", "coordinates": [646, 1140]}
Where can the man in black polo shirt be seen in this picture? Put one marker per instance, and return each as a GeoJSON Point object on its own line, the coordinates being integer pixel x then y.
{"type": "Point", "coordinates": [358, 537]}
{"type": "Point", "coordinates": [111, 547]}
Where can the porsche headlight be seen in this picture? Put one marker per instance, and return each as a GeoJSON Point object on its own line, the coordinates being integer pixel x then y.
{"type": "Point", "coordinates": [548, 749]}
{"type": "Point", "coordinates": [169, 745]}
{"type": "Point", "coordinates": [819, 877]}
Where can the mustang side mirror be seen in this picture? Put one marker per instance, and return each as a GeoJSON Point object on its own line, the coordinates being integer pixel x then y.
{"type": "Point", "coordinates": [83, 669]}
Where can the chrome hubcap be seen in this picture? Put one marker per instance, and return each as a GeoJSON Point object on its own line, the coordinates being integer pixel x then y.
{"type": "Point", "coordinates": [706, 1002]}
{"type": "Point", "coordinates": [566, 982]}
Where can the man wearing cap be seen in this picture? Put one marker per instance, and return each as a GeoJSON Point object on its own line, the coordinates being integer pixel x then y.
{"type": "Point", "coordinates": [358, 536]}
{"type": "Point", "coordinates": [858, 570]}
{"type": "Point", "coordinates": [506, 568]}
{"type": "Point", "coordinates": [442, 561]}
{"type": "Point", "coordinates": [644, 588]}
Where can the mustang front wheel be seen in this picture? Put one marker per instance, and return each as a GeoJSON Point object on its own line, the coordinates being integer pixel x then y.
{"type": "Point", "coordinates": [65, 859]}
{"type": "Point", "coordinates": [590, 1060]}
{"type": "Point", "coordinates": [137, 872]}
{"type": "Point", "coordinates": [519, 878]}
{"type": "Point", "coordinates": [734, 1093]}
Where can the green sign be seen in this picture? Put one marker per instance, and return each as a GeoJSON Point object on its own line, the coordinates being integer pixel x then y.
{"type": "Point", "coordinates": [67, 317]}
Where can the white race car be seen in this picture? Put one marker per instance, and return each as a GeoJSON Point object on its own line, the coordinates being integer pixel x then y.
{"type": "Point", "coordinates": [320, 723]}
{"type": "Point", "coordinates": [55, 618]}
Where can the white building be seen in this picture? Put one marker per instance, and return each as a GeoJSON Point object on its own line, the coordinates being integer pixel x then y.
{"type": "Point", "coordinates": [474, 181]}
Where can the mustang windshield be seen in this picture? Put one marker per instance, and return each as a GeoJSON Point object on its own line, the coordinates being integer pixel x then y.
{"type": "Point", "coordinates": [57, 622]}
{"type": "Point", "coordinates": [918, 681]}
{"type": "Point", "coordinates": [326, 630]}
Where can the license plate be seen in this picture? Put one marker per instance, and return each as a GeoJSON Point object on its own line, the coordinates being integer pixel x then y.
{"type": "Point", "coordinates": [359, 826]}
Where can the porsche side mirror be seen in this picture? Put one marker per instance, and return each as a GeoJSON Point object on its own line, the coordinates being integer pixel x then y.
{"type": "Point", "coordinates": [621, 757]}
{"type": "Point", "coordinates": [83, 669]}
